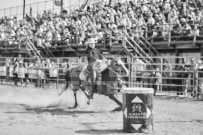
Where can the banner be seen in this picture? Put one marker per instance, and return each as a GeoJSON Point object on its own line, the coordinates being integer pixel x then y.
{"type": "Point", "coordinates": [58, 2]}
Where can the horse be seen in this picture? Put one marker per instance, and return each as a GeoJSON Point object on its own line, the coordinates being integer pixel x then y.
{"type": "Point", "coordinates": [109, 78]}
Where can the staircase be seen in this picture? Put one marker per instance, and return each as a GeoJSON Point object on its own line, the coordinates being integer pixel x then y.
{"type": "Point", "coordinates": [135, 49]}
{"type": "Point", "coordinates": [32, 50]}
{"type": "Point", "coordinates": [150, 49]}
{"type": "Point", "coordinates": [48, 52]}
{"type": "Point", "coordinates": [142, 48]}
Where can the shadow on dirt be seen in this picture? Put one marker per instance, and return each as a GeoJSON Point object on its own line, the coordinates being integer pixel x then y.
{"type": "Point", "coordinates": [54, 111]}
{"type": "Point", "coordinates": [99, 132]}
{"type": "Point", "coordinates": [198, 121]}
{"type": "Point", "coordinates": [59, 111]}
{"type": "Point", "coordinates": [177, 98]}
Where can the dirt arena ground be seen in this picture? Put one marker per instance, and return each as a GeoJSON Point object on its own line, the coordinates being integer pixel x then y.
{"type": "Point", "coordinates": [23, 111]}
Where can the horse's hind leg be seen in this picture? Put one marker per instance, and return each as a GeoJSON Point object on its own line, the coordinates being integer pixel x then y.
{"type": "Point", "coordinates": [76, 103]}
{"type": "Point", "coordinates": [83, 90]}
{"type": "Point", "coordinates": [112, 97]}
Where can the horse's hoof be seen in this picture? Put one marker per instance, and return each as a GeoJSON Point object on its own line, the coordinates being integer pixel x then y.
{"type": "Point", "coordinates": [91, 96]}
{"type": "Point", "coordinates": [74, 107]}
{"type": "Point", "coordinates": [88, 102]}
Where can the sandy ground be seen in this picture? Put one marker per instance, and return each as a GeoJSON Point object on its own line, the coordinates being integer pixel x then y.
{"type": "Point", "coordinates": [23, 111]}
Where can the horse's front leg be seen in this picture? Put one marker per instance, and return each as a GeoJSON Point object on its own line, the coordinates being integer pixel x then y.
{"type": "Point", "coordinates": [64, 89]}
{"type": "Point", "coordinates": [76, 103]}
{"type": "Point", "coordinates": [83, 90]}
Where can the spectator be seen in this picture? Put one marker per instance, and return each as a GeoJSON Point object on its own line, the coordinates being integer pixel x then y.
{"type": "Point", "coordinates": [21, 72]}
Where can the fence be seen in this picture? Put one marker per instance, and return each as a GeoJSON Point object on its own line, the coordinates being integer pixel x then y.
{"type": "Point", "coordinates": [184, 77]}
{"type": "Point", "coordinates": [39, 7]}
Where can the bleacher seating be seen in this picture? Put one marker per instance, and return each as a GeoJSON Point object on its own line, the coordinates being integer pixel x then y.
{"type": "Point", "coordinates": [155, 20]}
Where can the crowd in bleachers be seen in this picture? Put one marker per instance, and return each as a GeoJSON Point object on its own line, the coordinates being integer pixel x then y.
{"type": "Point", "coordinates": [150, 18]}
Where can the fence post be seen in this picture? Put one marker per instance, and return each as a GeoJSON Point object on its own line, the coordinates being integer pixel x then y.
{"type": "Point", "coordinates": [10, 11]}
{"type": "Point", "coordinates": [169, 35]}
{"type": "Point", "coordinates": [197, 86]}
{"type": "Point", "coordinates": [195, 35]}
{"type": "Point", "coordinates": [110, 40]}
{"type": "Point", "coordinates": [17, 11]}
{"type": "Point", "coordinates": [130, 73]}
{"type": "Point", "coordinates": [162, 64]}
{"type": "Point", "coordinates": [195, 82]}
{"type": "Point", "coordinates": [57, 83]}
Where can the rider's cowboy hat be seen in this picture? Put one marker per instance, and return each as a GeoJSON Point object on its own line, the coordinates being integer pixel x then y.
{"type": "Point", "coordinates": [91, 42]}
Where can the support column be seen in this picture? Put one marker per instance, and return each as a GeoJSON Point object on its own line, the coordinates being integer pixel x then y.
{"type": "Point", "coordinates": [176, 54]}
{"type": "Point", "coordinates": [23, 9]}
{"type": "Point", "coordinates": [201, 51]}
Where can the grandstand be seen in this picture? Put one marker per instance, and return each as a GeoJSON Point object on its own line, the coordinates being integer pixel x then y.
{"type": "Point", "coordinates": [134, 28]}
{"type": "Point", "coordinates": [145, 34]}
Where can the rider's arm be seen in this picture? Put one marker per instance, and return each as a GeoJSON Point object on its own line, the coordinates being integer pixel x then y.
{"type": "Point", "coordinates": [100, 55]}
{"type": "Point", "coordinates": [91, 55]}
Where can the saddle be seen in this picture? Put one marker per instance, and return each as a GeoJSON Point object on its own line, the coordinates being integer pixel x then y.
{"type": "Point", "coordinates": [85, 75]}
{"type": "Point", "coordinates": [98, 66]}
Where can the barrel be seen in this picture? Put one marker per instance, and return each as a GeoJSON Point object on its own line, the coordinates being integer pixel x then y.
{"type": "Point", "coordinates": [137, 110]}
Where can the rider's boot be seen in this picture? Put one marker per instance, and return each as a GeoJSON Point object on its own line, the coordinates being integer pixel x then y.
{"type": "Point", "coordinates": [95, 89]}
{"type": "Point", "coordinates": [92, 83]}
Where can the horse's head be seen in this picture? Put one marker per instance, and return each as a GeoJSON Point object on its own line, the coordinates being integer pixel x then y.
{"type": "Point", "coordinates": [118, 66]}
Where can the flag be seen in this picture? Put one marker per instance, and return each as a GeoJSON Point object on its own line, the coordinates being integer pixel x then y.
{"type": "Point", "coordinates": [58, 2]}
{"type": "Point", "coordinates": [30, 10]}
{"type": "Point", "coordinates": [28, 18]}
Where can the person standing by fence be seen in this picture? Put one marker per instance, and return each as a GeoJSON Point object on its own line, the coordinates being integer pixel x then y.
{"type": "Point", "coordinates": [65, 67]}
{"type": "Point", "coordinates": [158, 79]}
{"type": "Point", "coordinates": [21, 72]}
{"type": "Point", "coordinates": [26, 74]}
{"type": "Point", "coordinates": [193, 77]}
{"type": "Point", "coordinates": [15, 72]}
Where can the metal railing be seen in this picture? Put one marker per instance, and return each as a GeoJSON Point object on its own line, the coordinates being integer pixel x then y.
{"type": "Point", "coordinates": [176, 79]}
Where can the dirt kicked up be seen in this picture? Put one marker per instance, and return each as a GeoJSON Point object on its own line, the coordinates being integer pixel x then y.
{"type": "Point", "coordinates": [33, 97]}
{"type": "Point", "coordinates": [23, 111]}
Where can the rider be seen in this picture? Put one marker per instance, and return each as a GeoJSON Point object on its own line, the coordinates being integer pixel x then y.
{"type": "Point", "coordinates": [93, 56]}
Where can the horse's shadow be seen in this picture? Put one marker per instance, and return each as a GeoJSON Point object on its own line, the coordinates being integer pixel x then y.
{"type": "Point", "coordinates": [59, 111]}
{"type": "Point", "coordinates": [99, 132]}
{"type": "Point", "coordinates": [66, 111]}
{"type": "Point", "coordinates": [177, 98]}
